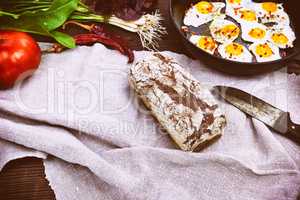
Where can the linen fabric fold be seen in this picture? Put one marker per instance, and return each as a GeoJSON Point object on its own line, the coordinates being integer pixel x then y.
{"type": "Point", "coordinates": [97, 141]}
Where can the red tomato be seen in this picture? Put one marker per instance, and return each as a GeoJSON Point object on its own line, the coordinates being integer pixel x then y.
{"type": "Point", "coordinates": [19, 53]}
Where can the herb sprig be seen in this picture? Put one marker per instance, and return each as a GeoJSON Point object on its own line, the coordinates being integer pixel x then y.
{"type": "Point", "coordinates": [45, 17]}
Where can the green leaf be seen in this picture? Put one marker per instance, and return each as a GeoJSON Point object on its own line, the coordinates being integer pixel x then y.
{"type": "Point", "coordinates": [7, 23]}
{"type": "Point", "coordinates": [2, 13]}
{"type": "Point", "coordinates": [54, 17]}
{"type": "Point", "coordinates": [64, 39]}
{"type": "Point", "coordinates": [44, 22]}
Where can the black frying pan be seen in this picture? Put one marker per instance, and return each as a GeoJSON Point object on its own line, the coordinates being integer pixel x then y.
{"type": "Point", "coordinates": [177, 11]}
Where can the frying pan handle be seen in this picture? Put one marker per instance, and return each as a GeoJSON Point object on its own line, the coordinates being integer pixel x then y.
{"type": "Point", "coordinates": [293, 66]}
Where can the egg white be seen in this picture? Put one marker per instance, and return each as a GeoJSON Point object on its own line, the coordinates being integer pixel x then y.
{"type": "Point", "coordinates": [195, 38]}
{"type": "Point", "coordinates": [237, 15]}
{"type": "Point", "coordinates": [243, 3]}
{"type": "Point", "coordinates": [279, 16]}
{"type": "Point", "coordinates": [247, 27]}
{"type": "Point", "coordinates": [217, 25]}
{"type": "Point", "coordinates": [274, 56]}
{"type": "Point", "coordinates": [246, 56]}
{"type": "Point", "coordinates": [194, 18]}
{"type": "Point", "coordinates": [232, 8]}
{"type": "Point", "coordinates": [231, 11]}
{"type": "Point", "coordinates": [285, 30]}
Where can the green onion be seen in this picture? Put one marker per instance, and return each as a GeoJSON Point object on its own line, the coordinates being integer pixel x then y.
{"type": "Point", "coordinates": [148, 27]}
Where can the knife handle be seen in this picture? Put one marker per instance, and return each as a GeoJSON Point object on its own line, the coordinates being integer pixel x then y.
{"type": "Point", "coordinates": [293, 131]}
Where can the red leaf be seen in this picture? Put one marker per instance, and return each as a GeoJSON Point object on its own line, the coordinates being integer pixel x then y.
{"type": "Point", "coordinates": [124, 9]}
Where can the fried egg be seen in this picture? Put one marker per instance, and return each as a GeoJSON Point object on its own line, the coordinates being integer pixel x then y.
{"type": "Point", "coordinates": [245, 15]}
{"type": "Point", "coordinates": [232, 7]}
{"type": "Point", "coordinates": [205, 43]}
{"type": "Point", "coordinates": [202, 12]}
{"type": "Point", "coordinates": [223, 30]}
{"type": "Point", "coordinates": [234, 51]}
{"type": "Point", "coordinates": [254, 32]}
{"type": "Point", "coordinates": [282, 36]}
{"type": "Point", "coordinates": [271, 12]}
{"type": "Point", "coordinates": [237, 3]}
{"type": "Point", "coordinates": [265, 52]}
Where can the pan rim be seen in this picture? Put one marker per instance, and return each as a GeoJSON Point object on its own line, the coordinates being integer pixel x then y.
{"type": "Point", "coordinates": [285, 59]}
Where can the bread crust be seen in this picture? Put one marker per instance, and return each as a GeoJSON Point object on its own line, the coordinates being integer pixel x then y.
{"type": "Point", "coordinates": [185, 108]}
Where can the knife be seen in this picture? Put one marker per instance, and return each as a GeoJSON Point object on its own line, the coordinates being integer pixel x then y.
{"type": "Point", "coordinates": [273, 117]}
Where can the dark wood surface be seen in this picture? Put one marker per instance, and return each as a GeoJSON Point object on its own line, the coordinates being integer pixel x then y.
{"type": "Point", "coordinates": [24, 179]}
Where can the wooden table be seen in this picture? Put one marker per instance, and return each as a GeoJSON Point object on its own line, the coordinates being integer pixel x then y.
{"type": "Point", "coordinates": [24, 179]}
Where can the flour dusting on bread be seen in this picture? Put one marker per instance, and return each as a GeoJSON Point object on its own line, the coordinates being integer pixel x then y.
{"type": "Point", "coordinates": [183, 106]}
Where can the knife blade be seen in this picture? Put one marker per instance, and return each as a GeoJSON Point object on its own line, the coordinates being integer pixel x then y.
{"type": "Point", "coordinates": [273, 117]}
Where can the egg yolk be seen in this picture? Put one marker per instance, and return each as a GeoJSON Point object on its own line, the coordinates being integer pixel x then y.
{"type": "Point", "coordinates": [234, 1]}
{"type": "Point", "coordinates": [248, 15]}
{"type": "Point", "coordinates": [257, 33]}
{"type": "Point", "coordinates": [263, 50]}
{"type": "Point", "coordinates": [230, 31]}
{"type": "Point", "coordinates": [234, 49]}
{"type": "Point", "coordinates": [280, 38]}
{"type": "Point", "coordinates": [204, 7]}
{"type": "Point", "coordinates": [269, 7]}
{"type": "Point", "coordinates": [207, 43]}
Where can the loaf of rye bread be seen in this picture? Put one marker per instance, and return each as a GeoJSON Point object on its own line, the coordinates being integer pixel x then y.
{"type": "Point", "coordinates": [185, 108]}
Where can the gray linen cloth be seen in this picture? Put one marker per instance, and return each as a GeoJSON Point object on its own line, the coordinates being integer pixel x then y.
{"type": "Point", "coordinates": [78, 114]}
